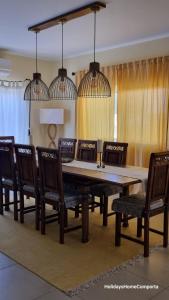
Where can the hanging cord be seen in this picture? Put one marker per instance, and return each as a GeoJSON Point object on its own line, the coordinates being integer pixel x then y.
{"type": "Point", "coordinates": [94, 35]}
{"type": "Point", "coordinates": [62, 43]}
{"type": "Point", "coordinates": [36, 52]}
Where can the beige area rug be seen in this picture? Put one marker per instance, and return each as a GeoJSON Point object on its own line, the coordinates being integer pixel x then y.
{"type": "Point", "coordinates": [72, 264]}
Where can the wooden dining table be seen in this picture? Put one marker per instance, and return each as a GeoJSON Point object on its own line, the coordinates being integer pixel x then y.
{"type": "Point", "coordinates": [127, 177]}
{"type": "Point", "coordinates": [124, 176]}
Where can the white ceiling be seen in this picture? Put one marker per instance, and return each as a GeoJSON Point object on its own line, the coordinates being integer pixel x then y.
{"type": "Point", "coordinates": [123, 22]}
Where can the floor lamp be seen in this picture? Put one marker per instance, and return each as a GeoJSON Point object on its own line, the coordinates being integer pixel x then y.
{"type": "Point", "coordinates": [52, 117]}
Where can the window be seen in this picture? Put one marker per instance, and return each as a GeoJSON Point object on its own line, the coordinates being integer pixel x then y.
{"type": "Point", "coordinates": [13, 111]}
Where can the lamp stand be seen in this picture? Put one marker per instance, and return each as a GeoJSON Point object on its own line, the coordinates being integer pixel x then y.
{"type": "Point", "coordinates": [52, 131]}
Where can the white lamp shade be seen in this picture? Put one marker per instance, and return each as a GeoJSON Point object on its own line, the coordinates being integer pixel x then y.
{"type": "Point", "coordinates": [52, 116]}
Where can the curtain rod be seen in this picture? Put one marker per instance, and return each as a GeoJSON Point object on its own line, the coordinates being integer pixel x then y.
{"type": "Point", "coordinates": [17, 81]}
{"type": "Point", "coordinates": [153, 59]}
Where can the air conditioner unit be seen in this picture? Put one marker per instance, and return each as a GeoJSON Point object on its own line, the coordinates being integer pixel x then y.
{"type": "Point", "coordinates": [5, 68]}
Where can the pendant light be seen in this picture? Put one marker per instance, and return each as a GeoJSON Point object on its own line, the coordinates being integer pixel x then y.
{"type": "Point", "coordinates": [62, 87]}
{"type": "Point", "coordinates": [36, 90]}
{"type": "Point", "coordinates": [94, 83]}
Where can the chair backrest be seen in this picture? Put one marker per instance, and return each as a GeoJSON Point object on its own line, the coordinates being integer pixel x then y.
{"type": "Point", "coordinates": [87, 150]}
{"type": "Point", "coordinates": [26, 164]}
{"type": "Point", "coordinates": [114, 153]}
{"type": "Point", "coordinates": [50, 170]}
{"type": "Point", "coordinates": [7, 139]}
{"type": "Point", "coordinates": [158, 178]}
{"type": "Point", "coordinates": [67, 147]}
{"type": "Point", "coordinates": [7, 164]}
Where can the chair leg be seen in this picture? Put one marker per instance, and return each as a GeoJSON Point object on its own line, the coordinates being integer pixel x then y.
{"type": "Point", "coordinates": [37, 212]}
{"type": "Point", "coordinates": [65, 218]}
{"type": "Point", "coordinates": [21, 207]}
{"type": "Point", "coordinates": [43, 217]}
{"type": "Point", "coordinates": [165, 237]}
{"type": "Point", "coordinates": [6, 200]}
{"type": "Point", "coordinates": [146, 236]}
{"type": "Point", "coordinates": [15, 205]}
{"type": "Point", "coordinates": [92, 208]}
{"type": "Point", "coordinates": [77, 211]}
{"type": "Point", "coordinates": [125, 221]}
{"type": "Point", "coordinates": [105, 211]}
{"type": "Point", "coordinates": [62, 221]}
{"type": "Point", "coordinates": [85, 221]}
{"type": "Point", "coordinates": [101, 205]}
{"type": "Point", "coordinates": [118, 229]}
{"type": "Point", "coordinates": [1, 201]}
{"type": "Point", "coordinates": [139, 227]}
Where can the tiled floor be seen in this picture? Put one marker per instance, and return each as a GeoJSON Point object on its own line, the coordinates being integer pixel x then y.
{"type": "Point", "coordinates": [17, 283]}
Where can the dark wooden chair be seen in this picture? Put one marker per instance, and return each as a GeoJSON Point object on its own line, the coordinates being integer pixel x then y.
{"type": "Point", "coordinates": [141, 206]}
{"type": "Point", "coordinates": [7, 139]}
{"type": "Point", "coordinates": [54, 193]}
{"type": "Point", "coordinates": [8, 179]}
{"type": "Point", "coordinates": [27, 180]}
{"type": "Point", "coordinates": [67, 149]}
{"type": "Point", "coordinates": [87, 150]}
{"type": "Point", "coordinates": [114, 153]}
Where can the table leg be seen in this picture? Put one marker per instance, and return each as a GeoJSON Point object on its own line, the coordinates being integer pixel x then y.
{"type": "Point", "coordinates": [6, 200]}
{"type": "Point", "coordinates": [85, 221]}
{"type": "Point", "coordinates": [125, 217]}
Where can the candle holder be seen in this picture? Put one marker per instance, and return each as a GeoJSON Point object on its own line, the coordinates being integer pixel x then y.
{"type": "Point", "coordinates": [100, 164]}
{"type": "Point", "coordinates": [100, 151]}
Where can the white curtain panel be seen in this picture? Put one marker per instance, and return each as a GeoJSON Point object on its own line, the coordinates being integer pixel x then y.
{"type": "Point", "coordinates": [14, 113]}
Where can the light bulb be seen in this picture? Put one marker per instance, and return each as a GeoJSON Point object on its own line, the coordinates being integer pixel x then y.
{"type": "Point", "coordinates": [62, 86]}
{"type": "Point", "coordinates": [37, 90]}
{"type": "Point", "coordinates": [94, 83]}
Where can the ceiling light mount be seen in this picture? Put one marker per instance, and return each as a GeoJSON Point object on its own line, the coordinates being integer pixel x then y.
{"type": "Point", "coordinates": [73, 14]}
{"type": "Point", "coordinates": [94, 83]}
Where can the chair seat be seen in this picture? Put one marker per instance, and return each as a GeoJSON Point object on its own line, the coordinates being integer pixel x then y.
{"type": "Point", "coordinates": [105, 189]}
{"type": "Point", "coordinates": [66, 159]}
{"type": "Point", "coordinates": [73, 183]}
{"type": "Point", "coordinates": [29, 188]}
{"type": "Point", "coordinates": [70, 200]}
{"type": "Point", "coordinates": [134, 205]}
{"type": "Point", "coordinates": [7, 182]}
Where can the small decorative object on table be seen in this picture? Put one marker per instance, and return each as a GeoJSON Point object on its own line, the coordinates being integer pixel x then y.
{"type": "Point", "coordinates": [100, 151]}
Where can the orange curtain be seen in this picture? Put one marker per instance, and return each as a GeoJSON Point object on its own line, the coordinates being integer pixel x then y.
{"type": "Point", "coordinates": [143, 100]}
{"type": "Point", "coordinates": [142, 109]}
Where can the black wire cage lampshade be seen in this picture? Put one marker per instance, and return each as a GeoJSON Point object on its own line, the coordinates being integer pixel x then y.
{"type": "Point", "coordinates": [62, 87]}
{"type": "Point", "coordinates": [94, 84]}
{"type": "Point", "coordinates": [36, 89]}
